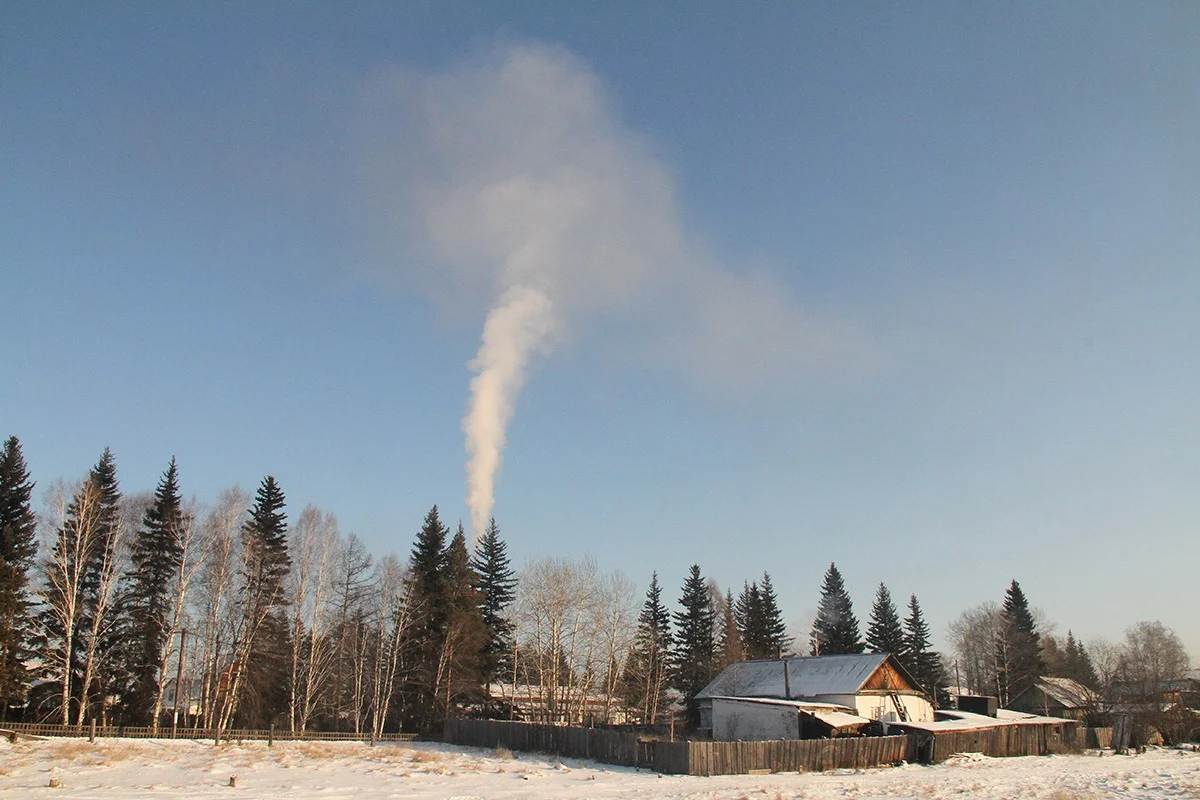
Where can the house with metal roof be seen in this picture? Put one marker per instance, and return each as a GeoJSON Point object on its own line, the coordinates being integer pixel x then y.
{"type": "Point", "coordinates": [810, 697]}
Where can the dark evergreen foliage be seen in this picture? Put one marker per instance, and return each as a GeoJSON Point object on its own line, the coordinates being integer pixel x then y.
{"type": "Point", "coordinates": [729, 638]}
{"type": "Point", "coordinates": [96, 624]}
{"type": "Point", "coordinates": [1078, 664]}
{"type": "Point", "coordinates": [144, 602]}
{"type": "Point", "coordinates": [835, 630]}
{"type": "Point", "coordinates": [774, 641]}
{"type": "Point", "coordinates": [265, 568]}
{"type": "Point", "coordinates": [924, 664]}
{"type": "Point", "coordinates": [467, 634]}
{"type": "Point", "coordinates": [497, 587]}
{"type": "Point", "coordinates": [647, 668]}
{"type": "Point", "coordinates": [884, 633]}
{"type": "Point", "coordinates": [1019, 650]}
{"type": "Point", "coordinates": [18, 546]}
{"type": "Point", "coordinates": [693, 658]}
{"type": "Point", "coordinates": [428, 595]}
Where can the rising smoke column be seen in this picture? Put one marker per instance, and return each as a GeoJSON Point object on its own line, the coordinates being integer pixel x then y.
{"type": "Point", "coordinates": [518, 327]}
{"type": "Point", "coordinates": [519, 183]}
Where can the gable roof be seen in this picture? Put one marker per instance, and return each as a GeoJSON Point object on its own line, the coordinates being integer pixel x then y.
{"type": "Point", "coordinates": [811, 676]}
{"type": "Point", "coordinates": [1067, 692]}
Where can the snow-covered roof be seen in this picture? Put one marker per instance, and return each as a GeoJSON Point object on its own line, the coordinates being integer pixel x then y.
{"type": "Point", "coordinates": [1068, 693]}
{"type": "Point", "coordinates": [832, 714]}
{"type": "Point", "coordinates": [795, 677]}
{"type": "Point", "coordinates": [802, 705]}
{"type": "Point", "coordinates": [950, 720]}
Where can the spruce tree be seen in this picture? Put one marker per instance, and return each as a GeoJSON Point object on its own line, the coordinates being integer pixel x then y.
{"type": "Point", "coordinates": [748, 613]}
{"type": "Point", "coordinates": [497, 586]}
{"type": "Point", "coordinates": [1079, 664]}
{"type": "Point", "coordinates": [647, 669]}
{"type": "Point", "coordinates": [1019, 649]}
{"type": "Point", "coordinates": [835, 630]}
{"type": "Point", "coordinates": [145, 600]}
{"type": "Point", "coordinates": [693, 658]}
{"type": "Point", "coordinates": [924, 664]}
{"type": "Point", "coordinates": [18, 545]}
{"type": "Point", "coordinates": [774, 639]}
{"type": "Point", "coordinates": [884, 634]}
{"type": "Point", "coordinates": [467, 635]}
{"type": "Point", "coordinates": [266, 564]}
{"type": "Point", "coordinates": [729, 638]}
{"type": "Point", "coordinates": [428, 598]}
{"type": "Point", "coordinates": [99, 673]}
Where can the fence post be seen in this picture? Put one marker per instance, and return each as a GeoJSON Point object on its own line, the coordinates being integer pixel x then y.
{"type": "Point", "coordinates": [92, 731]}
{"type": "Point", "coordinates": [271, 735]}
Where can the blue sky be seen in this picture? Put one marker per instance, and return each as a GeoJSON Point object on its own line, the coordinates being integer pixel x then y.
{"type": "Point", "coordinates": [909, 289]}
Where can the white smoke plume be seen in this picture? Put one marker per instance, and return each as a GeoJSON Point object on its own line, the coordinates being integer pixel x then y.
{"type": "Point", "coordinates": [519, 326]}
{"type": "Point", "coordinates": [525, 186]}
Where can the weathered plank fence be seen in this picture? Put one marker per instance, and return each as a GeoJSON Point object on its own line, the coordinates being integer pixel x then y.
{"type": "Point", "coordinates": [1002, 741]}
{"type": "Point", "coordinates": [682, 758]}
{"type": "Point", "coordinates": [799, 755]}
{"type": "Point", "coordinates": [234, 734]}
{"type": "Point", "coordinates": [611, 747]}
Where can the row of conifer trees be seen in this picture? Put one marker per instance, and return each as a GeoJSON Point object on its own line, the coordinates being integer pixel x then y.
{"type": "Point", "coordinates": [262, 621]}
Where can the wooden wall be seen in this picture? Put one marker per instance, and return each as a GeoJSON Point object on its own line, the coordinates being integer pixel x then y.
{"type": "Point", "coordinates": [610, 747]}
{"type": "Point", "coordinates": [684, 758]}
{"type": "Point", "coordinates": [1007, 740]}
{"type": "Point", "coordinates": [799, 755]}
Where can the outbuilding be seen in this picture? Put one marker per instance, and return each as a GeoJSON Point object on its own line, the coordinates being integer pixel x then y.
{"type": "Point", "coordinates": [810, 697]}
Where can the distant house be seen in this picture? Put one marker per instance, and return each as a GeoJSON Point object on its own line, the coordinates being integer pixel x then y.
{"type": "Point", "coordinates": [1056, 697]}
{"type": "Point", "coordinates": [813, 697]}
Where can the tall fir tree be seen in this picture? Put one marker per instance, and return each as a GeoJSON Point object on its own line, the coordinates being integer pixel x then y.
{"type": "Point", "coordinates": [729, 638]}
{"type": "Point", "coordinates": [99, 674]}
{"type": "Point", "coordinates": [497, 585]}
{"type": "Point", "coordinates": [1079, 665]}
{"type": "Point", "coordinates": [884, 633]}
{"type": "Point", "coordinates": [773, 634]}
{"type": "Point", "coordinates": [460, 668]}
{"type": "Point", "coordinates": [18, 546]}
{"type": "Point", "coordinates": [647, 670]}
{"type": "Point", "coordinates": [144, 602]}
{"type": "Point", "coordinates": [835, 630]}
{"type": "Point", "coordinates": [924, 664]}
{"type": "Point", "coordinates": [1019, 648]}
{"type": "Point", "coordinates": [693, 658]}
{"type": "Point", "coordinates": [748, 615]}
{"type": "Point", "coordinates": [266, 564]}
{"type": "Point", "coordinates": [430, 609]}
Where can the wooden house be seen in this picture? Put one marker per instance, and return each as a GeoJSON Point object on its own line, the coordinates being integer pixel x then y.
{"type": "Point", "coordinates": [810, 697]}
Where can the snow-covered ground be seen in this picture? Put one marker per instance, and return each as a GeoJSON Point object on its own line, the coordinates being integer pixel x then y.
{"type": "Point", "coordinates": [330, 771]}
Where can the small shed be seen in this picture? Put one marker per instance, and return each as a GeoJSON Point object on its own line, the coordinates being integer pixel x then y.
{"type": "Point", "coordinates": [824, 696]}
{"type": "Point", "coordinates": [1056, 697]}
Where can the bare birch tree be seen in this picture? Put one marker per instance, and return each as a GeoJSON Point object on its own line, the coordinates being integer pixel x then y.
{"type": "Point", "coordinates": [217, 590]}
{"type": "Point", "coordinates": [312, 544]}
{"type": "Point", "coordinates": [195, 545]}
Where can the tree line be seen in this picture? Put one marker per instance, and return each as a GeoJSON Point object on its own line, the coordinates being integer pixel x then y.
{"type": "Point", "coordinates": [254, 620]}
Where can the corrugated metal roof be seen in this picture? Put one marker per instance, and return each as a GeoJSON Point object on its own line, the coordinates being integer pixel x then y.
{"type": "Point", "coordinates": [805, 677]}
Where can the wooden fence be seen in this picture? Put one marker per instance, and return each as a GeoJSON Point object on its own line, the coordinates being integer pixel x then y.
{"type": "Point", "coordinates": [682, 758]}
{"type": "Point", "coordinates": [610, 747]}
{"type": "Point", "coordinates": [1001, 741]}
{"type": "Point", "coordinates": [165, 732]}
{"type": "Point", "coordinates": [797, 755]}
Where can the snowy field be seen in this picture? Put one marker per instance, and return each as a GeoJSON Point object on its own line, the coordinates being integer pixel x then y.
{"type": "Point", "coordinates": [334, 770]}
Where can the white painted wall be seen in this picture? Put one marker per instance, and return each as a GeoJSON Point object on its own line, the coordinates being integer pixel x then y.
{"type": "Point", "coordinates": [881, 707]}
{"type": "Point", "coordinates": [753, 722]}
